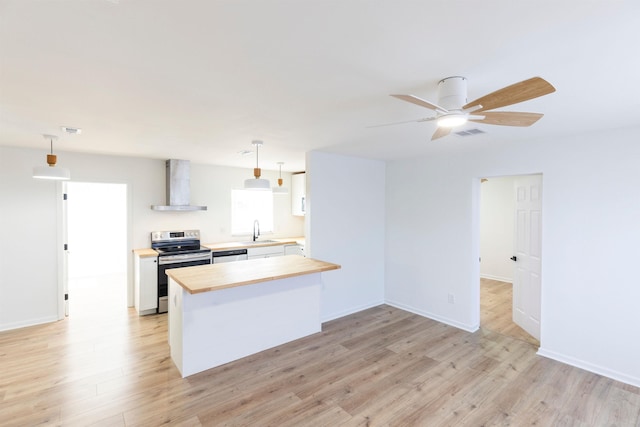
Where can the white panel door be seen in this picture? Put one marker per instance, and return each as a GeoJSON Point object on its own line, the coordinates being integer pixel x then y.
{"type": "Point", "coordinates": [527, 257]}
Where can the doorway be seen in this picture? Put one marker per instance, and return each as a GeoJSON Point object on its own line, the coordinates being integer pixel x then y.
{"type": "Point", "coordinates": [96, 226]}
{"type": "Point", "coordinates": [500, 219]}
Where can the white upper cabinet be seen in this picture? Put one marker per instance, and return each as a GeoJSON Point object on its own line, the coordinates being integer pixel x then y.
{"type": "Point", "coordinates": [298, 194]}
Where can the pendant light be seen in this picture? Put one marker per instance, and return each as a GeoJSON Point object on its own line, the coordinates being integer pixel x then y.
{"type": "Point", "coordinates": [280, 189]}
{"type": "Point", "coordinates": [51, 171]}
{"type": "Point", "coordinates": [257, 183]}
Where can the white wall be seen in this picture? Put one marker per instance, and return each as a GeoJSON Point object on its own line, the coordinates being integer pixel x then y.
{"type": "Point", "coordinates": [345, 220]}
{"type": "Point", "coordinates": [497, 205]}
{"type": "Point", "coordinates": [429, 245]}
{"type": "Point", "coordinates": [591, 206]}
{"type": "Point", "coordinates": [28, 260]}
{"type": "Point", "coordinates": [29, 213]}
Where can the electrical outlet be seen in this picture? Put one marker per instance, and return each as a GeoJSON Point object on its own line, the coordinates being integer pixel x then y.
{"type": "Point", "coordinates": [451, 299]}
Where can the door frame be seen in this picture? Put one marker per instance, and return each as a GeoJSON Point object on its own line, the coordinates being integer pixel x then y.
{"type": "Point", "coordinates": [477, 194]}
{"type": "Point", "coordinates": [61, 237]}
{"type": "Point", "coordinates": [62, 228]}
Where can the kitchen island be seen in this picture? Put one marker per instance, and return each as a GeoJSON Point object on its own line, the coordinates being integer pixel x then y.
{"type": "Point", "coordinates": [223, 312]}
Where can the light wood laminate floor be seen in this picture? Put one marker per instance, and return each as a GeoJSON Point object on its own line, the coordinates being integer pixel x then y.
{"type": "Point", "coordinates": [379, 367]}
{"type": "Point", "coordinates": [496, 310]}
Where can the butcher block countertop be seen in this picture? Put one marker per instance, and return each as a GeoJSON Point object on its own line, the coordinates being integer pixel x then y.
{"type": "Point", "coordinates": [212, 277]}
{"type": "Point", "coordinates": [145, 253]}
{"type": "Point", "coordinates": [148, 252]}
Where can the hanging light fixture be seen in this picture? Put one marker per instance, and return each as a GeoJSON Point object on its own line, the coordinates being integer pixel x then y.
{"type": "Point", "coordinates": [51, 171]}
{"type": "Point", "coordinates": [280, 189]}
{"type": "Point", "coordinates": [257, 183]}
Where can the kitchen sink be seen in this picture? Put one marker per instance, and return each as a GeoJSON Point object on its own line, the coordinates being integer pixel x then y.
{"type": "Point", "coordinates": [257, 242]}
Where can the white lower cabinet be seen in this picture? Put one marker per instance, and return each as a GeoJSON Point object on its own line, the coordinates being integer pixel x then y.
{"type": "Point", "coordinates": [265, 252]}
{"type": "Point", "coordinates": [294, 250]}
{"type": "Point", "coordinates": [146, 284]}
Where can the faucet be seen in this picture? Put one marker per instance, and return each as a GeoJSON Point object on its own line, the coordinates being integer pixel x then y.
{"type": "Point", "coordinates": [256, 230]}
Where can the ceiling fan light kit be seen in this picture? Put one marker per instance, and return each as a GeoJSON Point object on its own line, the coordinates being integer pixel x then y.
{"type": "Point", "coordinates": [51, 171]}
{"type": "Point", "coordinates": [257, 183]}
{"type": "Point", "coordinates": [452, 93]}
{"type": "Point", "coordinates": [452, 120]}
{"type": "Point", "coordinates": [453, 109]}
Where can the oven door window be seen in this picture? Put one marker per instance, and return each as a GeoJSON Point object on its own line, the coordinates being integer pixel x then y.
{"type": "Point", "coordinates": [163, 280]}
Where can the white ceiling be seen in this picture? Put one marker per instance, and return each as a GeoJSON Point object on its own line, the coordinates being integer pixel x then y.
{"type": "Point", "coordinates": [201, 79]}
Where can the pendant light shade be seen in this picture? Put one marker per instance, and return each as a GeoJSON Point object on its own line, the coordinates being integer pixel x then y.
{"type": "Point", "coordinates": [280, 189]}
{"type": "Point", "coordinates": [257, 183]}
{"type": "Point", "coordinates": [51, 171]}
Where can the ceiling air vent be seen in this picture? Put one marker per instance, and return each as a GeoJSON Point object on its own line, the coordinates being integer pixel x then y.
{"type": "Point", "coordinates": [469, 132]}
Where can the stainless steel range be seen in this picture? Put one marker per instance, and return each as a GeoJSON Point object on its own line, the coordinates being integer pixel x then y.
{"type": "Point", "coordinates": [176, 249]}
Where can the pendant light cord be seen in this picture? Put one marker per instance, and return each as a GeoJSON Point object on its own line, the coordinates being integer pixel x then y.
{"type": "Point", "coordinates": [257, 151]}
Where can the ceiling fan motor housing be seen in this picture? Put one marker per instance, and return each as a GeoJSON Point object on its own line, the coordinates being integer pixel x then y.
{"type": "Point", "coordinates": [452, 92]}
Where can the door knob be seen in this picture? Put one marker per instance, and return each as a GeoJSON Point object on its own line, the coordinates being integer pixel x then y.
{"type": "Point", "coordinates": [513, 258]}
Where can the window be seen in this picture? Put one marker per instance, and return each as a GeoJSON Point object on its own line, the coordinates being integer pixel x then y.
{"type": "Point", "coordinates": [249, 205]}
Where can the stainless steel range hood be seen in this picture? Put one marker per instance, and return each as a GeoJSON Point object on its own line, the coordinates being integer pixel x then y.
{"type": "Point", "coordinates": [178, 188]}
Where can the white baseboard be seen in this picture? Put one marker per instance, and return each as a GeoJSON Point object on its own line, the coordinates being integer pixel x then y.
{"type": "Point", "coordinates": [609, 373]}
{"type": "Point", "coordinates": [337, 315]}
{"type": "Point", "coordinates": [447, 321]}
{"type": "Point", "coordinates": [498, 278]}
{"type": "Point", "coordinates": [30, 322]}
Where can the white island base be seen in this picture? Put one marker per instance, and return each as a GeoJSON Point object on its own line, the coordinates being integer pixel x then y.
{"type": "Point", "coordinates": [209, 329]}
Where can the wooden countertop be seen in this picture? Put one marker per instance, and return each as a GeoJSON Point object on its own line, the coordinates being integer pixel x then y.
{"type": "Point", "coordinates": [212, 277]}
{"type": "Point", "coordinates": [148, 252]}
{"type": "Point", "coordinates": [145, 253]}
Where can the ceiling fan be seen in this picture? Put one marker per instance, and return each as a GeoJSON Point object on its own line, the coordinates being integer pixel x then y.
{"type": "Point", "coordinates": [453, 109]}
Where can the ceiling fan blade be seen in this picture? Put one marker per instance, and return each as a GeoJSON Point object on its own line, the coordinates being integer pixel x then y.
{"type": "Point", "coordinates": [440, 132]}
{"type": "Point", "coordinates": [508, 118]}
{"type": "Point", "coordinates": [421, 102]}
{"type": "Point", "coordinates": [517, 92]}
{"type": "Point", "coordinates": [426, 119]}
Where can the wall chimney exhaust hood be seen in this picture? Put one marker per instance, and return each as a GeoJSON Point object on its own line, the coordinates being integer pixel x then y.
{"type": "Point", "coordinates": [178, 188]}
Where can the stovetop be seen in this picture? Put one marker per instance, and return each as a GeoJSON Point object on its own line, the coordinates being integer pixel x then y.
{"type": "Point", "coordinates": [177, 242]}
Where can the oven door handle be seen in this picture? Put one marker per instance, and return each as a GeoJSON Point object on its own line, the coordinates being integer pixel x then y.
{"type": "Point", "coordinates": [173, 259]}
